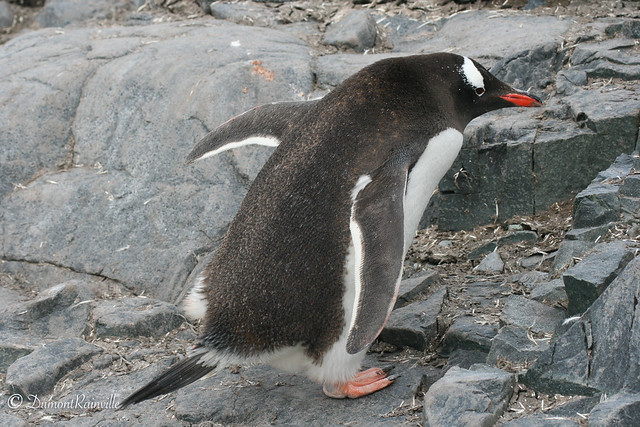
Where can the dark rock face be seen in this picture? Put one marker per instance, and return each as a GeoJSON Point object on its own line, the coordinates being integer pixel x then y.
{"type": "Point", "coordinates": [598, 352]}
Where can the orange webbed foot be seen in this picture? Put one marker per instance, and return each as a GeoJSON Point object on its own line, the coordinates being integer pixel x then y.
{"type": "Point", "coordinates": [364, 383]}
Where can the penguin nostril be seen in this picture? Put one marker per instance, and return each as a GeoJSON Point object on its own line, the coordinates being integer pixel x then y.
{"type": "Point", "coordinates": [479, 91]}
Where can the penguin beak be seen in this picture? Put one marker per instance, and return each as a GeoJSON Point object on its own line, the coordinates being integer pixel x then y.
{"type": "Point", "coordinates": [522, 100]}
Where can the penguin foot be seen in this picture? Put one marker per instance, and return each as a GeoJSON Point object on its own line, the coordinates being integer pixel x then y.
{"type": "Point", "coordinates": [364, 383]}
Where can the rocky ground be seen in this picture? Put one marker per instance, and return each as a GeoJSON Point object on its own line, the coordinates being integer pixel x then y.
{"type": "Point", "coordinates": [525, 320]}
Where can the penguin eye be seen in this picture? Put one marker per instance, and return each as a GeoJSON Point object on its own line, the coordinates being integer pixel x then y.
{"type": "Point", "coordinates": [479, 91]}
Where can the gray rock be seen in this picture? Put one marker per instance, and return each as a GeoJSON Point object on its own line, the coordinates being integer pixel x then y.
{"type": "Point", "coordinates": [60, 311]}
{"type": "Point", "coordinates": [10, 420]}
{"type": "Point", "coordinates": [551, 293]}
{"type": "Point", "coordinates": [589, 234]}
{"type": "Point", "coordinates": [569, 81]}
{"type": "Point", "coordinates": [613, 58]}
{"type": "Point", "coordinates": [542, 420]}
{"type": "Point", "coordinates": [38, 372]}
{"type": "Point", "coordinates": [466, 334]}
{"type": "Point", "coordinates": [468, 397]}
{"type": "Point", "coordinates": [415, 325]}
{"type": "Point", "coordinates": [491, 264]}
{"type": "Point", "coordinates": [263, 396]}
{"type": "Point", "coordinates": [597, 205]}
{"type": "Point", "coordinates": [356, 31]}
{"type": "Point", "coordinates": [126, 209]}
{"type": "Point", "coordinates": [458, 35]}
{"type": "Point", "coordinates": [530, 279]}
{"type": "Point", "coordinates": [599, 353]}
{"type": "Point", "coordinates": [13, 346]}
{"type": "Point", "coordinates": [245, 13]}
{"type": "Point", "coordinates": [621, 410]}
{"type": "Point", "coordinates": [6, 15]}
{"type": "Point", "coordinates": [482, 251]}
{"type": "Point", "coordinates": [585, 281]}
{"type": "Point", "coordinates": [133, 317]}
{"type": "Point", "coordinates": [514, 345]}
{"type": "Point", "coordinates": [464, 358]}
{"type": "Point", "coordinates": [60, 13]}
{"type": "Point", "coordinates": [631, 29]}
{"type": "Point", "coordinates": [532, 315]}
{"type": "Point", "coordinates": [524, 236]}
{"type": "Point", "coordinates": [526, 70]}
{"type": "Point", "coordinates": [568, 251]}
{"type": "Point", "coordinates": [416, 288]}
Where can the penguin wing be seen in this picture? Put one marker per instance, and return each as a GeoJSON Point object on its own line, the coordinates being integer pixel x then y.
{"type": "Point", "coordinates": [263, 125]}
{"type": "Point", "coordinates": [377, 231]}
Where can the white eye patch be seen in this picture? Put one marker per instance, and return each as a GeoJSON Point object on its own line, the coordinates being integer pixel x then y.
{"type": "Point", "coordinates": [471, 74]}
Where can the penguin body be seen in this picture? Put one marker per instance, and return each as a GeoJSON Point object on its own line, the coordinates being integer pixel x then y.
{"type": "Point", "coordinates": [309, 270]}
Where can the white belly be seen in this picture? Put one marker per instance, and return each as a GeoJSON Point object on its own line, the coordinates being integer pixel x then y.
{"type": "Point", "coordinates": [423, 180]}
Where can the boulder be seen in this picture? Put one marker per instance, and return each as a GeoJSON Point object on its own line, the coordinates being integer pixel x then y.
{"type": "Point", "coordinates": [477, 397]}
{"type": "Point", "coordinates": [585, 281]}
{"type": "Point", "coordinates": [38, 372]}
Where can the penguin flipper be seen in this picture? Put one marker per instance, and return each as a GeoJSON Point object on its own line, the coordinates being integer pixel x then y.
{"type": "Point", "coordinates": [263, 125]}
{"type": "Point", "coordinates": [377, 231]}
{"type": "Point", "coordinates": [178, 375]}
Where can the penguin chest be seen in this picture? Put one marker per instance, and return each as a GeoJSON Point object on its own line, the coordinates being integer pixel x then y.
{"type": "Point", "coordinates": [425, 175]}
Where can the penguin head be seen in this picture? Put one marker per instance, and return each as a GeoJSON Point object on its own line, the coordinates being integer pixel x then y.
{"type": "Point", "coordinates": [478, 91]}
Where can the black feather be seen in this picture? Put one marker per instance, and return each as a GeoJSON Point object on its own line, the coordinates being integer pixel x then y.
{"type": "Point", "coordinates": [178, 375]}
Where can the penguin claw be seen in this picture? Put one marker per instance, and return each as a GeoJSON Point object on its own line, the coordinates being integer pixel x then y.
{"type": "Point", "coordinates": [364, 383]}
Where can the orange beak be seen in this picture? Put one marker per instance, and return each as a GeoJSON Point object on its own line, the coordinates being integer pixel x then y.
{"type": "Point", "coordinates": [522, 100]}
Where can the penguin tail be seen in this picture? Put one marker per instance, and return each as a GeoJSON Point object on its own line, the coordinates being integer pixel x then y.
{"type": "Point", "coordinates": [178, 375]}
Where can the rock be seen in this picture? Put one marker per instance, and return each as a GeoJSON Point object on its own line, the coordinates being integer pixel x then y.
{"type": "Point", "coordinates": [482, 251]}
{"type": "Point", "coordinates": [631, 29]}
{"type": "Point", "coordinates": [466, 334]}
{"type": "Point", "coordinates": [13, 346]}
{"type": "Point", "coordinates": [9, 420]}
{"type": "Point", "coordinates": [589, 234]}
{"type": "Point", "coordinates": [568, 251]}
{"type": "Point", "coordinates": [38, 372]}
{"type": "Point", "coordinates": [6, 15]}
{"type": "Point", "coordinates": [60, 311]}
{"type": "Point", "coordinates": [291, 400]}
{"type": "Point", "coordinates": [551, 293]}
{"type": "Point", "coordinates": [542, 420]}
{"type": "Point", "coordinates": [585, 281]}
{"type": "Point", "coordinates": [133, 317]}
{"type": "Point", "coordinates": [60, 13]}
{"type": "Point", "coordinates": [524, 236]}
{"type": "Point", "coordinates": [613, 58]}
{"type": "Point", "coordinates": [531, 315]}
{"type": "Point", "coordinates": [621, 410]}
{"type": "Point", "coordinates": [478, 396]}
{"type": "Point", "coordinates": [514, 345]}
{"type": "Point", "coordinates": [491, 264]}
{"type": "Point", "coordinates": [416, 288]}
{"type": "Point", "coordinates": [356, 31]}
{"type": "Point", "coordinates": [464, 358]}
{"type": "Point", "coordinates": [457, 35]}
{"type": "Point", "coordinates": [525, 69]}
{"type": "Point", "coordinates": [597, 205]}
{"type": "Point", "coordinates": [121, 210]}
{"type": "Point", "coordinates": [245, 13]}
{"type": "Point", "coordinates": [530, 279]}
{"type": "Point", "coordinates": [600, 352]}
{"type": "Point", "coordinates": [415, 325]}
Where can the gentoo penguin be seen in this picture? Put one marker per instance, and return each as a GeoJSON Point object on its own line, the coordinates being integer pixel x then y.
{"type": "Point", "coordinates": [308, 272]}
